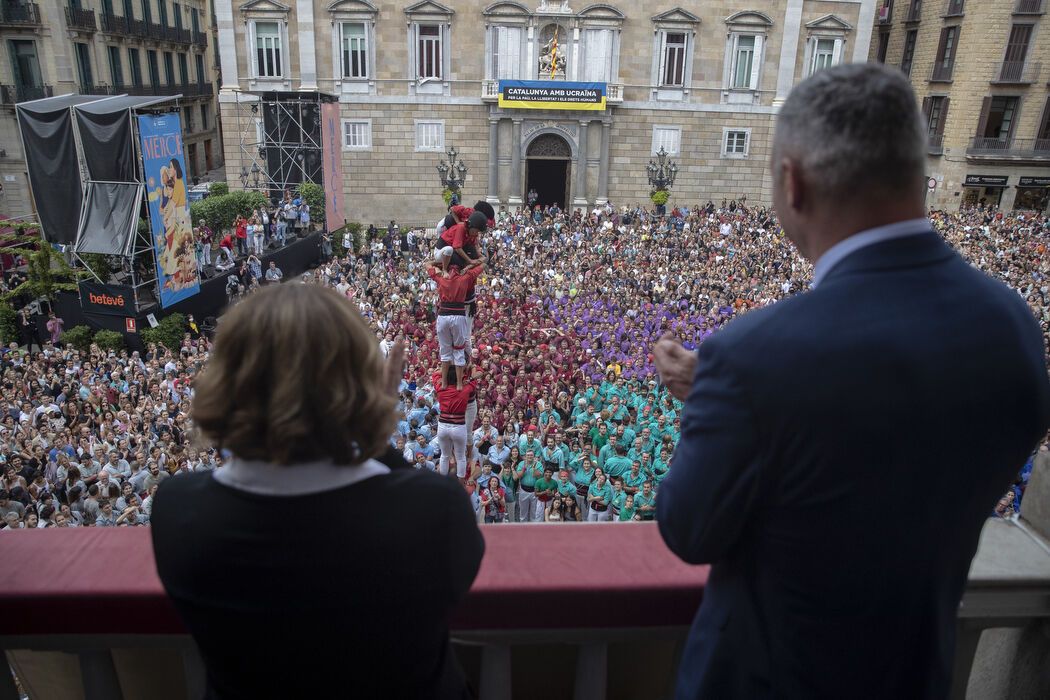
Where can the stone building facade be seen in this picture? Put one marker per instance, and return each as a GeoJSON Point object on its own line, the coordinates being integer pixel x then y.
{"type": "Point", "coordinates": [106, 47]}
{"type": "Point", "coordinates": [701, 80]}
{"type": "Point", "coordinates": [981, 70]}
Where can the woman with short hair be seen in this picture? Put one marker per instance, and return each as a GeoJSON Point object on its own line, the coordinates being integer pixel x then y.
{"type": "Point", "coordinates": [360, 591]}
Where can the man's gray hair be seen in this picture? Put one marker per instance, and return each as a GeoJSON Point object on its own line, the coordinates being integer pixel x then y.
{"type": "Point", "coordinates": [854, 128]}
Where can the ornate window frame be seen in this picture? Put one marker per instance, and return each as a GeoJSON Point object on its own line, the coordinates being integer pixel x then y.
{"type": "Point", "coordinates": [353, 11]}
{"type": "Point", "coordinates": [674, 21]}
{"type": "Point", "coordinates": [741, 24]}
{"type": "Point", "coordinates": [428, 13]}
{"type": "Point", "coordinates": [828, 27]}
{"type": "Point", "coordinates": [267, 11]}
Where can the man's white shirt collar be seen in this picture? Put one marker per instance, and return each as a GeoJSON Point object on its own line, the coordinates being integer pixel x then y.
{"type": "Point", "coordinates": [846, 247]}
{"type": "Point", "coordinates": [269, 479]}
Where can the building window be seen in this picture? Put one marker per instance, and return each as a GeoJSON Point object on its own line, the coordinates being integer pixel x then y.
{"type": "Point", "coordinates": [205, 117]}
{"type": "Point", "coordinates": [914, 11]}
{"type": "Point", "coordinates": [669, 138]}
{"type": "Point", "coordinates": [187, 118]}
{"type": "Point", "coordinates": [84, 65]}
{"type": "Point", "coordinates": [824, 54]}
{"type": "Point", "coordinates": [169, 68]}
{"type": "Point", "coordinates": [945, 62]}
{"type": "Point", "coordinates": [598, 48]}
{"type": "Point", "coordinates": [195, 23]}
{"type": "Point", "coordinates": [178, 15]}
{"type": "Point", "coordinates": [955, 7]}
{"type": "Point", "coordinates": [163, 12]}
{"type": "Point", "coordinates": [884, 47]}
{"type": "Point", "coordinates": [357, 134]}
{"type": "Point", "coordinates": [1016, 53]}
{"type": "Point", "coordinates": [202, 77]}
{"type": "Point", "coordinates": [908, 57]}
{"type": "Point", "coordinates": [672, 69]}
{"type": "Point", "coordinates": [428, 45]}
{"type": "Point", "coordinates": [151, 66]}
{"type": "Point", "coordinates": [147, 12]}
{"type": "Point", "coordinates": [354, 47]}
{"type": "Point", "coordinates": [136, 67]}
{"type": "Point", "coordinates": [936, 111]}
{"type": "Point", "coordinates": [116, 70]}
{"type": "Point", "coordinates": [998, 120]}
{"type": "Point", "coordinates": [735, 143]}
{"type": "Point", "coordinates": [430, 135]}
{"type": "Point", "coordinates": [506, 53]}
{"type": "Point", "coordinates": [184, 72]}
{"type": "Point", "coordinates": [268, 59]}
{"type": "Point", "coordinates": [745, 65]}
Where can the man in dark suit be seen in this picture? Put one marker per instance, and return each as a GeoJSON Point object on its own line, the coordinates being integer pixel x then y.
{"type": "Point", "coordinates": [811, 426]}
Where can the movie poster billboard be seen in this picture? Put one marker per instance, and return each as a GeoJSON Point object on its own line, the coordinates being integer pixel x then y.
{"type": "Point", "coordinates": [160, 137]}
{"type": "Point", "coordinates": [331, 155]}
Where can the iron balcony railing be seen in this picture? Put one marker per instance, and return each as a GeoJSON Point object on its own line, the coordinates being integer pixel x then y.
{"type": "Point", "coordinates": [13, 94]}
{"type": "Point", "coordinates": [25, 14]}
{"type": "Point", "coordinates": [935, 144]}
{"type": "Point", "coordinates": [1019, 72]}
{"type": "Point", "coordinates": [81, 19]}
{"type": "Point", "coordinates": [114, 24]}
{"type": "Point", "coordinates": [942, 72]}
{"type": "Point", "coordinates": [1029, 7]}
{"type": "Point", "coordinates": [1005, 147]}
{"type": "Point", "coordinates": [200, 38]}
{"type": "Point", "coordinates": [914, 12]}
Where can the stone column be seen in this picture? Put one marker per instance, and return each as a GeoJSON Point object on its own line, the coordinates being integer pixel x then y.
{"type": "Point", "coordinates": [227, 44]}
{"type": "Point", "coordinates": [579, 198]}
{"type": "Point", "coordinates": [493, 196]}
{"type": "Point", "coordinates": [304, 16]}
{"type": "Point", "coordinates": [515, 167]}
{"type": "Point", "coordinates": [788, 50]}
{"type": "Point", "coordinates": [603, 165]}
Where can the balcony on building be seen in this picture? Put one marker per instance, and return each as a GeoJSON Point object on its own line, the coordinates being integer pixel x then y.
{"type": "Point", "coordinates": [1018, 72]}
{"type": "Point", "coordinates": [200, 38]}
{"type": "Point", "coordinates": [113, 24]}
{"type": "Point", "coordinates": [1029, 7]}
{"type": "Point", "coordinates": [81, 19]}
{"type": "Point", "coordinates": [935, 145]}
{"type": "Point", "coordinates": [942, 73]}
{"type": "Point", "coordinates": [1011, 150]}
{"type": "Point", "coordinates": [19, 14]}
{"type": "Point", "coordinates": [885, 12]}
{"type": "Point", "coordinates": [11, 95]}
{"type": "Point", "coordinates": [914, 12]}
{"type": "Point", "coordinates": [490, 92]}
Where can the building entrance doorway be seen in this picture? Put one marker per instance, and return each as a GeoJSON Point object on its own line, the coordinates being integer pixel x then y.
{"type": "Point", "coordinates": [547, 169]}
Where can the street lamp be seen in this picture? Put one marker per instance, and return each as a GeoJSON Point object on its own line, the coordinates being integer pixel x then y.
{"type": "Point", "coordinates": [453, 174]}
{"type": "Point", "coordinates": [662, 172]}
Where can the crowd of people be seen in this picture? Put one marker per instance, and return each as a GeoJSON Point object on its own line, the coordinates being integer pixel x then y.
{"type": "Point", "coordinates": [572, 422]}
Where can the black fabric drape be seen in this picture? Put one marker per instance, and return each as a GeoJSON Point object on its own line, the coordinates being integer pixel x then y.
{"type": "Point", "coordinates": [107, 142]}
{"type": "Point", "coordinates": [54, 175]}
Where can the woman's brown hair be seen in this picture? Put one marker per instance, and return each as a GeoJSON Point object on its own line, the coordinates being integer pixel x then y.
{"type": "Point", "coordinates": [295, 375]}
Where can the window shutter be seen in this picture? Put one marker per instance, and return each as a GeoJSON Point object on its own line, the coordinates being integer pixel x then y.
{"type": "Point", "coordinates": [943, 116]}
{"type": "Point", "coordinates": [500, 46]}
{"type": "Point", "coordinates": [663, 58]}
{"type": "Point", "coordinates": [811, 49]}
{"type": "Point", "coordinates": [982, 123]}
{"type": "Point", "coordinates": [512, 56]}
{"type": "Point", "coordinates": [1013, 122]}
{"type": "Point", "coordinates": [836, 57]}
{"type": "Point", "coordinates": [1044, 124]}
{"type": "Point", "coordinates": [940, 46]}
{"type": "Point", "coordinates": [756, 63]}
{"type": "Point", "coordinates": [926, 102]}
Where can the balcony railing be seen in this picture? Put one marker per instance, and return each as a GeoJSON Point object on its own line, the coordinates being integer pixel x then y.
{"type": "Point", "coordinates": [1029, 7]}
{"type": "Point", "coordinates": [185, 36]}
{"type": "Point", "coordinates": [114, 24]}
{"type": "Point", "coordinates": [20, 14]}
{"type": "Point", "coordinates": [154, 31]}
{"type": "Point", "coordinates": [914, 12]}
{"type": "Point", "coordinates": [13, 94]}
{"type": "Point", "coordinates": [490, 92]}
{"type": "Point", "coordinates": [137, 27]}
{"type": "Point", "coordinates": [186, 90]}
{"type": "Point", "coordinates": [941, 72]}
{"type": "Point", "coordinates": [100, 89]}
{"type": "Point", "coordinates": [81, 19]}
{"type": "Point", "coordinates": [991, 148]}
{"type": "Point", "coordinates": [935, 144]}
{"type": "Point", "coordinates": [1019, 72]}
{"type": "Point", "coordinates": [200, 38]}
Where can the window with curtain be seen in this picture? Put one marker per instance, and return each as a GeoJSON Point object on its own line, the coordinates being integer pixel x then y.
{"type": "Point", "coordinates": [506, 52]}
{"type": "Point", "coordinates": [673, 73]}
{"type": "Point", "coordinates": [743, 62]}
{"type": "Point", "coordinates": [823, 54]}
{"type": "Point", "coordinates": [598, 47]}
{"type": "Point", "coordinates": [429, 51]}
{"type": "Point", "coordinates": [268, 50]}
{"type": "Point", "coordinates": [354, 50]}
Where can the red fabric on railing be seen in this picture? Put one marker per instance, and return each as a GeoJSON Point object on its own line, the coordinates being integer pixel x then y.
{"type": "Point", "coordinates": [103, 581]}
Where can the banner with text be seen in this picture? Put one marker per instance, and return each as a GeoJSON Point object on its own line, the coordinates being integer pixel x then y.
{"type": "Point", "coordinates": [332, 166]}
{"type": "Point", "coordinates": [160, 137]}
{"type": "Point", "coordinates": [551, 94]}
{"type": "Point", "coordinates": [109, 299]}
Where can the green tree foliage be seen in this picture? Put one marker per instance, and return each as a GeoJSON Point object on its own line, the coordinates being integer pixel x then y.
{"type": "Point", "coordinates": [220, 211]}
{"type": "Point", "coordinates": [109, 340]}
{"type": "Point", "coordinates": [47, 272]}
{"type": "Point", "coordinates": [314, 196]}
{"type": "Point", "coordinates": [217, 189]}
{"type": "Point", "coordinates": [102, 265]}
{"type": "Point", "coordinates": [8, 324]}
{"type": "Point", "coordinates": [78, 337]}
{"type": "Point", "coordinates": [168, 333]}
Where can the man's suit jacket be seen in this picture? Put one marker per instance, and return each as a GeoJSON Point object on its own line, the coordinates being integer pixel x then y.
{"type": "Point", "coordinates": [840, 452]}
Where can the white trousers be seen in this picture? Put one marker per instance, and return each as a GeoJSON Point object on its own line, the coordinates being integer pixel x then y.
{"type": "Point", "coordinates": [453, 335]}
{"type": "Point", "coordinates": [526, 506]}
{"type": "Point", "coordinates": [472, 415]}
{"type": "Point", "coordinates": [599, 517]}
{"type": "Point", "coordinates": [453, 441]}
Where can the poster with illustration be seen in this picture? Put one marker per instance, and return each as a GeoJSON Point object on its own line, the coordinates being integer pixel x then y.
{"type": "Point", "coordinates": [169, 211]}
